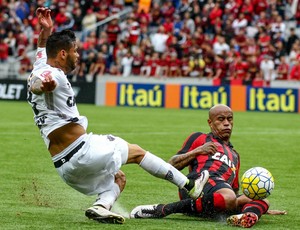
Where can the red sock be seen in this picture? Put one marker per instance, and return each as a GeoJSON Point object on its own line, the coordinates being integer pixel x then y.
{"type": "Point", "coordinates": [210, 204]}
{"type": "Point", "coordinates": [258, 207]}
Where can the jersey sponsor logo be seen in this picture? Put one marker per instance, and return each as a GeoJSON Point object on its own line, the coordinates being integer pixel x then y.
{"type": "Point", "coordinates": [11, 91]}
{"type": "Point", "coordinates": [224, 158]}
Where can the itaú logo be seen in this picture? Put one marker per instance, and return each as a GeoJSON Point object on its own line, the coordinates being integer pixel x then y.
{"type": "Point", "coordinates": [141, 95]}
{"type": "Point", "coordinates": [199, 97]}
{"type": "Point", "coordinates": [272, 100]}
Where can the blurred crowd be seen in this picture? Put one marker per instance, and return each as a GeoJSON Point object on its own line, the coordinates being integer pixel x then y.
{"type": "Point", "coordinates": [213, 39]}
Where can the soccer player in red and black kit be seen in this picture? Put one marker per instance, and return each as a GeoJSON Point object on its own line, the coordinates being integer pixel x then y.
{"type": "Point", "coordinates": [215, 153]}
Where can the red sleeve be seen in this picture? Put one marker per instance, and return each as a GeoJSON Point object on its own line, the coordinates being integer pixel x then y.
{"type": "Point", "coordinates": [192, 142]}
{"type": "Point", "coordinates": [235, 183]}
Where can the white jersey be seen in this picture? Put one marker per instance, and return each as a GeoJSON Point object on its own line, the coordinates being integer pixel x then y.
{"type": "Point", "coordinates": [57, 108]}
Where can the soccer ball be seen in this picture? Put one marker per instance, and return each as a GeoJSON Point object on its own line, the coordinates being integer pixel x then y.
{"type": "Point", "coordinates": [257, 183]}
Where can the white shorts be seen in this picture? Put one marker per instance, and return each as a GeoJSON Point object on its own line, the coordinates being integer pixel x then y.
{"type": "Point", "coordinates": [91, 170]}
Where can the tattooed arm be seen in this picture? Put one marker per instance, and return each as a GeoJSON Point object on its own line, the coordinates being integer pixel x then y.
{"type": "Point", "coordinates": [180, 161]}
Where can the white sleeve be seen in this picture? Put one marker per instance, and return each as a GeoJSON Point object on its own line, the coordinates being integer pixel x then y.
{"type": "Point", "coordinates": [40, 58]}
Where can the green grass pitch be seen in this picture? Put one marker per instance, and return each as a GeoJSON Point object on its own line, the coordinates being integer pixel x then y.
{"type": "Point", "coordinates": [34, 197]}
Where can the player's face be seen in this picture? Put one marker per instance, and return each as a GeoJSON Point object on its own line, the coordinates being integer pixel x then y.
{"type": "Point", "coordinates": [221, 124]}
{"type": "Point", "coordinates": [72, 58]}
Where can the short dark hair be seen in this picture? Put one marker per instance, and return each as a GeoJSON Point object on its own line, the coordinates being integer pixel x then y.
{"type": "Point", "coordinates": [63, 40]}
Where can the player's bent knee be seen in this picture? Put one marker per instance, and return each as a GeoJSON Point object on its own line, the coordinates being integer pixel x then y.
{"type": "Point", "coordinates": [135, 153]}
{"type": "Point", "coordinates": [230, 202]}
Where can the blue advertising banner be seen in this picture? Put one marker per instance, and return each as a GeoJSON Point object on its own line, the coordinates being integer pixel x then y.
{"type": "Point", "coordinates": [203, 97]}
{"type": "Point", "coordinates": [141, 95]}
{"type": "Point", "coordinates": [272, 100]}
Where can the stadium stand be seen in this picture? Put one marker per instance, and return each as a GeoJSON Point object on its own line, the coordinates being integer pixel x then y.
{"type": "Point", "coordinates": [231, 41]}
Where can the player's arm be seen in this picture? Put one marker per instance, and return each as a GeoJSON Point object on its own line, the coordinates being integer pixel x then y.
{"type": "Point", "coordinates": [39, 86]}
{"type": "Point", "coordinates": [180, 161]}
{"type": "Point", "coordinates": [45, 20]}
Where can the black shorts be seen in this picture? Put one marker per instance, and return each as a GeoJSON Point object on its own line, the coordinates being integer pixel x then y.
{"type": "Point", "coordinates": [213, 185]}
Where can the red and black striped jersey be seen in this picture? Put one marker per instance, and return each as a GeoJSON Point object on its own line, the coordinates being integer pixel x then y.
{"type": "Point", "coordinates": [223, 165]}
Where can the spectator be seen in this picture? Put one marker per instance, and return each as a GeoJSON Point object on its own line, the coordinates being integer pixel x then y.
{"type": "Point", "coordinates": [174, 66]}
{"type": "Point", "coordinates": [164, 64]}
{"type": "Point", "coordinates": [78, 17]}
{"type": "Point", "coordinates": [253, 71]}
{"type": "Point", "coordinates": [126, 64]}
{"type": "Point", "coordinates": [184, 67]}
{"type": "Point", "coordinates": [137, 62]}
{"type": "Point", "coordinates": [208, 71]}
{"type": "Point", "coordinates": [248, 10]}
{"type": "Point", "coordinates": [239, 23]}
{"type": "Point", "coordinates": [22, 9]}
{"type": "Point", "coordinates": [4, 51]}
{"type": "Point", "coordinates": [267, 69]}
{"type": "Point", "coordinates": [215, 13]}
{"type": "Point", "coordinates": [295, 71]}
{"type": "Point", "coordinates": [61, 17]}
{"type": "Point", "coordinates": [219, 68]}
{"type": "Point", "coordinates": [159, 39]}
{"type": "Point", "coordinates": [133, 30]}
{"type": "Point", "coordinates": [291, 40]}
{"type": "Point", "coordinates": [294, 53]}
{"type": "Point", "coordinates": [22, 43]}
{"type": "Point", "coordinates": [239, 68]}
{"type": "Point", "coordinates": [156, 17]}
{"type": "Point", "coordinates": [25, 64]}
{"type": "Point", "coordinates": [103, 12]}
{"type": "Point", "coordinates": [113, 30]}
{"type": "Point", "coordinates": [89, 20]}
{"type": "Point", "coordinates": [98, 68]}
{"type": "Point", "coordinates": [11, 41]}
{"type": "Point", "coordinates": [189, 23]}
{"type": "Point", "coordinates": [146, 67]}
{"type": "Point", "coordinates": [220, 47]}
{"type": "Point", "coordinates": [282, 69]}
{"type": "Point", "coordinates": [251, 48]}
{"type": "Point", "coordinates": [196, 66]}
{"type": "Point", "coordinates": [167, 10]}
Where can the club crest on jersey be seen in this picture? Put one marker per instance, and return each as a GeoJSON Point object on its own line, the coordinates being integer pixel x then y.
{"type": "Point", "coordinates": [224, 158]}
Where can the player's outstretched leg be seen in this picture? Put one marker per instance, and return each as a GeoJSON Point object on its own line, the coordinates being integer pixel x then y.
{"type": "Point", "coordinates": [148, 211]}
{"type": "Point", "coordinates": [100, 214]}
{"type": "Point", "coordinates": [245, 220]}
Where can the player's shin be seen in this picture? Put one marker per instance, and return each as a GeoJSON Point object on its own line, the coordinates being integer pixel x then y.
{"type": "Point", "coordinates": [161, 169]}
{"type": "Point", "coordinates": [108, 198]}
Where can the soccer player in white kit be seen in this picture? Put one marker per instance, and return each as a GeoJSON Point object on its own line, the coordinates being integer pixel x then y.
{"type": "Point", "coordinates": [89, 163]}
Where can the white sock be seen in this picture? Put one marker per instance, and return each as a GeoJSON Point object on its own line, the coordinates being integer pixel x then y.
{"type": "Point", "coordinates": [161, 169]}
{"type": "Point", "coordinates": [108, 198]}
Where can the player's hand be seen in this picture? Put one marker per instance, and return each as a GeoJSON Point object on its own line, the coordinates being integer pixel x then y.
{"type": "Point", "coordinates": [120, 180]}
{"type": "Point", "coordinates": [48, 84]}
{"type": "Point", "coordinates": [209, 148]}
{"type": "Point", "coordinates": [276, 212]}
{"type": "Point", "coordinates": [44, 17]}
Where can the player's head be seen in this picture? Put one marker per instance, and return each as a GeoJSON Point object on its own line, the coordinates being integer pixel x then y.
{"type": "Point", "coordinates": [220, 120]}
{"type": "Point", "coordinates": [62, 47]}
